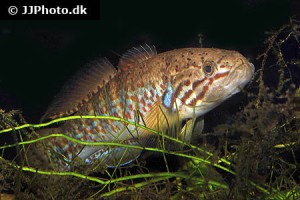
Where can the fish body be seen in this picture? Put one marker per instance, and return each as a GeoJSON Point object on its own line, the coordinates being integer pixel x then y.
{"type": "Point", "coordinates": [155, 90]}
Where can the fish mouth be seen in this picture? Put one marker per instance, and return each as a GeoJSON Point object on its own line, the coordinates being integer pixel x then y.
{"type": "Point", "coordinates": [238, 78]}
{"type": "Point", "coordinates": [234, 83]}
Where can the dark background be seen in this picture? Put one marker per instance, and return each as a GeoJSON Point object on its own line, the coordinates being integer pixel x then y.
{"type": "Point", "coordinates": [37, 57]}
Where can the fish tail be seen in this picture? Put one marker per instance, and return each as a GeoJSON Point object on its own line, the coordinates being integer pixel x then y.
{"type": "Point", "coordinates": [48, 131]}
{"type": "Point", "coordinates": [36, 154]}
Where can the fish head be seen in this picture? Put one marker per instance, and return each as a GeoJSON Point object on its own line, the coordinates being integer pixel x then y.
{"type": "Point", "coordinates": [209, 77]}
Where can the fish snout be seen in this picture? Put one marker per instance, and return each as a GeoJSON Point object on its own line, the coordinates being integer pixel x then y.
{"type": "Point", "coordinates": [239, 77]}
{"type": "Point", "coordinates": [247, 73]}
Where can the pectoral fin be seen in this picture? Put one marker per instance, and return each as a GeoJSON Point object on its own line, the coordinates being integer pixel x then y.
{"type": "Point", "coordinates": [191, 130]}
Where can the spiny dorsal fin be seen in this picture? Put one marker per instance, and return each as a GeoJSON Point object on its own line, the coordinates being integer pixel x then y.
{"type": "Point", "coordinates": [133, 57]}
{"type": "Point", "coordinates": [80, 88]}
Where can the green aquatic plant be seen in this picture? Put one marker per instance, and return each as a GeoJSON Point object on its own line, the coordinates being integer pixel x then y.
{"type": "Point", "coordinates": [155, 177]}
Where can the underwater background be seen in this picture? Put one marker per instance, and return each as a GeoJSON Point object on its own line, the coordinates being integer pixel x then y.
{"type": "Point", "coordinates": [256, 132]}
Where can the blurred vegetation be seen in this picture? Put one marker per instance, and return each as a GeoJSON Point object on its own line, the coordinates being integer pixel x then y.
{"type": "Point", "coordinates": [254, 155]}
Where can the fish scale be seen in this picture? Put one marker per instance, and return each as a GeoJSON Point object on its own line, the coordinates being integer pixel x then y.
{"type": "Point", "coordinates": [155, 90]}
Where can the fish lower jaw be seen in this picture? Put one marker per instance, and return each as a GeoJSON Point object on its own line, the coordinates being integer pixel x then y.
{"type": "Point", "coordinates": [236, 90]}
{"type": "Point", "coordinates": [187, 112]}
{"type": "Point", "coordinates": [233, 90]}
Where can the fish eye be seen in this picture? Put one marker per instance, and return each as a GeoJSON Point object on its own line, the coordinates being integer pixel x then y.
{"type": "Point", "coordinates": [209, 68]}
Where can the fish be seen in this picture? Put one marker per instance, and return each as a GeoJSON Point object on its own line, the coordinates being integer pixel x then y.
{"type": "Point", "coordinates": [155, 90]}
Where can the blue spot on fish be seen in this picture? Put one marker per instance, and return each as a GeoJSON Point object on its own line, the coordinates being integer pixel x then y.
{"type": "Point", "coordinates": [167, 98]}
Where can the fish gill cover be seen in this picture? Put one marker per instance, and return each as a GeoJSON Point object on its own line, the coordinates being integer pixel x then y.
{"type": "Point", "coordinates": [252, 154]}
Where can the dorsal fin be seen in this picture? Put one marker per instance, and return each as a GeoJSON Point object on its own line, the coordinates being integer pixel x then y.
{"type": "Point", "coordinates": [80, 87]}
{"type": "Point", "coordinates": [133, 57]}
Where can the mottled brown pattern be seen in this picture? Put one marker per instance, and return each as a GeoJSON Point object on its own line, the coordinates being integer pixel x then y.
{"type": "Point", "coordinates": [147, 85]}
